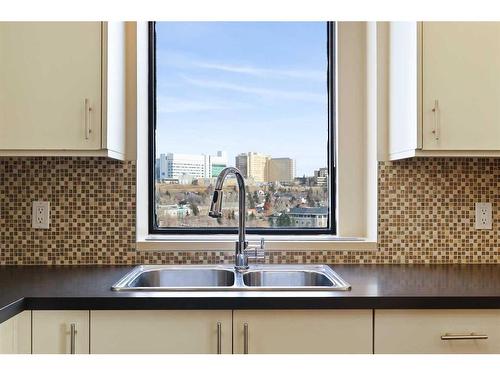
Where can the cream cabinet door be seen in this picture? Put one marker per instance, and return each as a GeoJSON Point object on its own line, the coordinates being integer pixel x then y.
{"type": "Point", "coordinates": [161, 332]}
{"type": "Point", "coordinates": [53, 332]}
{"type": "Point", "coordinates": [437, 331]}
{"type": "Point", "coordinates": [15, 334]}
{"type": "Point", "coordinates": [461, 85]}
{"type": "Point", "coordinates": [50, 85]}
{"type": "Point", "coordinates": [302, 331]}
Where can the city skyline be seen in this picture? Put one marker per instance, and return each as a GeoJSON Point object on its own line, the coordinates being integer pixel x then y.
{"type": "Point", "coordinates": [220, 160]}
{"type": "Point", "coordinates": [220, 87]}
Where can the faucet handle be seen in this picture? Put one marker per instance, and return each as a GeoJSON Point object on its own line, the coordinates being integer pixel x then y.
{"type": "Point", "coordinates": [256, 251]}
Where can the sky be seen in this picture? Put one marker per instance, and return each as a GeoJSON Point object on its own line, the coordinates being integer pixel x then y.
{"type": "Point", "coordinates": [243, 86]}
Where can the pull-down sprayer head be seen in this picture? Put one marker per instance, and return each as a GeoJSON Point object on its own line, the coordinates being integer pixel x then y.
{"type": "Point", "coordinates": [216, 206]}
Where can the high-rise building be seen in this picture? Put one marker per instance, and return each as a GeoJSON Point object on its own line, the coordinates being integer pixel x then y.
{"type": "Point", "coordinates": [263, 168]}
{"type": "Point", "coordinates": [321, 176]}
{"type": "Point", "coordinates": [281, 169]}
{"type": "Point", "coordinates": [217, 163]}
{"type": "Point", "coordinates": [253, 165]}
{"type": "Point", "coordinates": [172, 165]}
{"type": "Point", "coordinates": [241, 163]}
{"type": "Point", "coordinates": [184, 164]}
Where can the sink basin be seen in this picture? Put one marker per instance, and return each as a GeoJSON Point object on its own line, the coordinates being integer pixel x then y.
{"type": "Point", "coordinates": [272, 278]}
{"type": "Point", "coordinates": [293, 277]}
{"type": "Point", "coordinates": [177, 277]}
{"type": "Point", "coordinates": [266, 277]}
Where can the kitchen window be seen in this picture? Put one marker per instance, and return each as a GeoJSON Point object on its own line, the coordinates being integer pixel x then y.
{"type": "Point", "coordinates": [259, 96]}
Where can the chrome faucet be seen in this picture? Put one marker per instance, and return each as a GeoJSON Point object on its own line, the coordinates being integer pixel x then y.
{"type": "Point", "coordinates": [243, 251]}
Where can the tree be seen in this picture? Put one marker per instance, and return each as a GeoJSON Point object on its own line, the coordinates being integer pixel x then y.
{"type": "Point", "coordinates": [256, 196]}
{"type": "Point", "coordinates": [251, 201]}
{"type": "Point", "coordinates": [310, 198]}
{"type": "Point", "coordinates": [284, 220]}
{"type": "Point", "coordinates": [267, 203]}
{"type": "Point", "coordinates": [195, 209]}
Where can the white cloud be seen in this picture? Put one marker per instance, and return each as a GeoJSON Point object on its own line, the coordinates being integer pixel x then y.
{"type": "Point", "coordinates": [316, 75]}
{"type": "Point", "coordinates": [262, 92]}
{"type": "Point", "coordinates": [180, 59]}
{"type": "Point", "coordinates": [170, 104]}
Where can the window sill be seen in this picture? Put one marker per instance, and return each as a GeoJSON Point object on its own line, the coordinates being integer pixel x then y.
{"type": "Point", "coordinates": [226, 243]}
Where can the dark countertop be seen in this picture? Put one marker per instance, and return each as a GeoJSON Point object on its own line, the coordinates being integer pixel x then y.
{"type": "Point", "coordinates": [373, 287]}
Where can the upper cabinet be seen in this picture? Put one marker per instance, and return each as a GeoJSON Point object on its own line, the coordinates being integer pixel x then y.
{"type": "Point", "coordinates": [443, 89]}
{"type": "Point", "coordinates": [461, 85]}
{"type": "Point", "coordinates": [62, 88]}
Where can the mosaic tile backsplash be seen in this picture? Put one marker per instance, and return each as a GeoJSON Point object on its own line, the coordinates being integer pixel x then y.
{"type": "Point", "coordinates": [426, 215]}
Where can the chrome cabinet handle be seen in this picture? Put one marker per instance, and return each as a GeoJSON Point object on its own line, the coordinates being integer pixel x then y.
{"type": "Point", "coordinates": [72, 343]}
{"type": "Point", "coordinates": [245, 338]}
{"type": "Point", "coordinates": [88, 118]}
{"type": "Point", "coordinates": [435, 110]}
{"type": "Point", "coordinates": [219, 338]}
{"type": "Point", "coordinates": [463, 336]}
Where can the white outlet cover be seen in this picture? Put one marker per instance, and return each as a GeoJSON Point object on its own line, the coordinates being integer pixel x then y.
{"type": "Point", "coordinates": [483, 215]}
{"type": "Point", "coordinates": [40, 215]}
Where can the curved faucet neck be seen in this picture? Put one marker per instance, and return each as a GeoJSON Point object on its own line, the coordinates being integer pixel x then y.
{"type": "Point", "coordinates": [241, 261]}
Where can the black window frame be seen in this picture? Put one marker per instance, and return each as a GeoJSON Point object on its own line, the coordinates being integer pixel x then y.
{"type": "Point", "coordinates": [152, 219]}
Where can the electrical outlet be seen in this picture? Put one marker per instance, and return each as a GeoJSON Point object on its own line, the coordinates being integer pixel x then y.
{"type": "Point", "coordinates": [40, 217]}
{"type": "Point", "coordinates": [483, 216]}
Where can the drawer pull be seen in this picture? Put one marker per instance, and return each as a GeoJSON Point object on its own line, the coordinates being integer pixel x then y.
{"type": "Point", "coordinates": [219, 338]}
{"type": "Point", "coordinates": [72, 343]}
{"type": "Point", "coordinates": [461, 336]}
{"type": "Point", "coordinates": [245, 338]}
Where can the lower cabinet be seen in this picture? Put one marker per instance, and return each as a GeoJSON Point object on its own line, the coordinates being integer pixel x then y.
{"type": "Point", "coordinates": [15, 334]}
{"type": "Point", "coordinates": [302, 331]}
{"type": "Point", "coordinates": [161, 331]}
{"type": "Point", "coordinates": [437, 331]}
{"type": "Point", "coordinates": [60, 332]}
{"type": "Point", "coordinates": [252, 331]}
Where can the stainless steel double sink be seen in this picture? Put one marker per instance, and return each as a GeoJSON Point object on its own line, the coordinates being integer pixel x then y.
{"type": "Point", "coordinates": [224, 278]}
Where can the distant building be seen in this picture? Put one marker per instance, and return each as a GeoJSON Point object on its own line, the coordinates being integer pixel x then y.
{"type": "Point", "coordinates": [241, 163]}
{"type": "Point", "coordinates": [305, 181]}
{"type": "Point", "coordinates": [262, 168]}
{"type": "Point", "coordinates": [217, 163]}
{"type": "Point", "coordinates": [253, 165]}
{"type": "Point", "coordinates": [185, 179]}
{"type": "Point", "coordinates": [178, 165]}
{"type": "Point", "coordinates": [161, 165]}
{"type": "Point", "coordinates": [173, 210]}
{"type": "Point", "coordinates": [173, 165]}
{"type": "Point", "coordinates": [170, 181]}
{"type": "Point", "coordinates": [321, 176]}
{"type": "Point", "coordinates": [281, 169]}
{"type": "Point", "coordinates": [314, 217]}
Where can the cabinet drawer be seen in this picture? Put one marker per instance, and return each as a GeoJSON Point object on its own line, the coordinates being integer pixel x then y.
{"type": "Point", "coordinates": [15, 334]}
{"type": "Point", "coordinates": [302, 331]}
{"type": "Point", "coordinates": [53, 334]}
{"type": "Point", "coordinates": [437, 331]}
{"type": "Point", "coordinates": [161, 332]}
